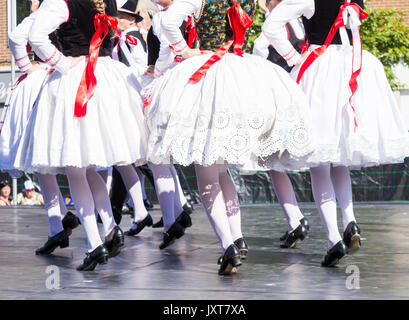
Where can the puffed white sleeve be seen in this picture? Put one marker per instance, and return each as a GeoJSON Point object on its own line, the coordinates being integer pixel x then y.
{"type": "Point", "coordinates": [174, 17]}
{"type": "Point", "coordinates": [274, 27]}
{"type": "Point", "coordinates": [18, 42]}
{"type": "Point", "coordinates": [50, 15]}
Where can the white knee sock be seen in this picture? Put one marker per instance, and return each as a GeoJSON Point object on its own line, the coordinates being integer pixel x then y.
{"type": "Point", "coordinates": [101, 200]}
{"type": "Point", "coordinates": [324, 196]}
{"type": "Point", "coordinates": [231, 200]}
{"type": "Point", "coordinates": [341, 181]}
{"type": "Point", "coordinates": [286, 197]}
{"type": "Point", "coordinates": [84, 204]}
{"type": "Point", "coordinates": [51, 194]}
{"type": "Point", "coordinates": [133, 185]}
{"type": "Point", "coordinates": [212, 199]}
{"type": "Point", "coordinates": [142, 180]}
{"type": "Point", "coordinates": [165, 190]}
{"type": "Point", "coordinates": [180, 193]}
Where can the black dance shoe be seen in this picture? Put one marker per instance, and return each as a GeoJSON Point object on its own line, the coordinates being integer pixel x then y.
{"type": "Point", "coordinates": [148, 205]}
{"type": "Point", "coordinates": [59, 240]}
{"type": "Point", "coordinates": [188, 208]}
{"type": "Point", "coordinates": [303, 222]}
{"type": "Point", "coordinates": [352, 237]}
{"type": "Point", "coordinates": [158, 224]}
{"type": "Point", "coordinates": [300, 233]}
{"type": "Point", "coordinates": [99, 255]}
{"type": "Point", "coordinates": [175, 232]}
{"type": "Point", "coordinates": [184, 220]}
{"type": "Point", "coordinates": [114, 241]}
{"type": "Point", "coordinates": [242, 246]}
{"type": "Point", "coordinates": [334, 254]}
{"type": "Point", "coordinates": [140, 225]}
{"type": "Point", "coordinates": [70, 222]}
{"type": "Point", "coordinates": [230, 260]}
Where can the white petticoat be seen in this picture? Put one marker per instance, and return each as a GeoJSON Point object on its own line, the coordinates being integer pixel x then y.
{"type": "Point", "coordinates": [246, 111]}
{"type": "Point", "coordinates": [381, 136]}
{"type": "Point", "coordinates": [15, 117]}
{"type": "Point", "coordinates": [113, 132]}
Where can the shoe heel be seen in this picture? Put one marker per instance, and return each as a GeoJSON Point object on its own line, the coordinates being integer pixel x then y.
{"type": "Point", "coordinates": [65, 243]}
{"type": "Point", "coordinates": [103, 260]}
{"type": "Point", "coordinates": [243, 254]}
{"type": "Point", "coordinates": [235, 261]}
{"type": "Point", "coordinates": [355, 243]}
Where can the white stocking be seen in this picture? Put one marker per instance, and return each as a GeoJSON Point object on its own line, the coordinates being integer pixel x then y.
{"type": "Point", "coordinates": [84, 204]}
{"type": "Point", "coordinates": [212, 199]}
{"type": "Point", "coordinates": [179, 189]}
{"type": "Point", "coordinates": [286, 197]}
{"type": "Point", "coordinates": [324, 196]}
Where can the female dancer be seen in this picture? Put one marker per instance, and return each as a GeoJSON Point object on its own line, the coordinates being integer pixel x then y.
{"type": "Point", "coordinates": [356, 119]}
{"type": "Point", "coordinates": [19, 107]}
{"type": "Point", "coordinates": [88, 114]}
{"type": "Point", "coordinates": [224, 108]}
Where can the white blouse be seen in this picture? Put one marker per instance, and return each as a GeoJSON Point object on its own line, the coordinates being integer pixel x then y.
{"type": "Point", "coordinates": [18, 43]}
{"type": "Point", "coordinates": [50, 15]}
{"type": "Point", "coordinates": [274, 26]}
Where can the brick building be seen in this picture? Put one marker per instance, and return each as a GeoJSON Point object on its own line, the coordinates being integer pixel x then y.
{"type": "Point", "coordinates": [398, 4]}
{"type": "Point", "coordinates": [4, 51]}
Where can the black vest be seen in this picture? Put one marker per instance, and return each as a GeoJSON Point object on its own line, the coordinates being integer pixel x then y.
{"type": "Point", "coordinates": [75, 35]}
{"type": "Point", "coordinates": [318, 27]}
{"type": "Point", "coordinates": [136, 34]}
{"type": "Point", "coordinates": [154, 44]}
{"type": "Point", "coordinates": [297, 43]}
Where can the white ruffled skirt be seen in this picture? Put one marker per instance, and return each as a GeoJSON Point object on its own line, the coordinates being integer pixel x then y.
{"type": "Point", "coordinates": [381, 136]}
{"type": "Point", "coordinates": [15, 117]}
{"type": "Point", "coordinates": [246, 111]}
{"type": "Point", "coordinates": [113, 132]}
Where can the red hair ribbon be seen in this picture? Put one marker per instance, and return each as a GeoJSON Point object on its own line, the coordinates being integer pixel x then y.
{"type": "Point", "coordinates": [190, 29]}
{"type": "Point", "coordinates": [88, 83]}
{"type": "Point", "coordinates": [339, 23]}
{"type": "Point", "coordinates": [239, 22]}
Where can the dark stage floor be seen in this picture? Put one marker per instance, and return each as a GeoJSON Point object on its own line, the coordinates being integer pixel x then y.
{"type": "Point", "coordinates": [188, 270]}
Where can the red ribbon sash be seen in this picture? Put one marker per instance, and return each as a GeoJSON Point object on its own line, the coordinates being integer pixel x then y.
{"type": "Point", "coordinates": [239, 22]}
{"type": "Point", "coordinates": [190, 29]}
{"type": "Point", "coordinates": [88, 82]}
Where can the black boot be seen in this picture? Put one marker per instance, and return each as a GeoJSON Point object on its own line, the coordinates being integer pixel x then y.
{"type": "Point", "coordinates": [304, 222]}
{"type": "Point", "coordinates": [242, 246]}
{"type": "Point", "coordinates": [300, 233]}
{"type": "Point", "coordinates": [114, 241]}
{"type": "Point", "coordinates": [184, 220]}
{"type": "Point", "coordinates": [59, 240]}
{"type": "Point", "coordinates": [158, 224]}
{"type": "Point", "coordinates": [175, 232]}
{"type": "Point", "coordinates": [352, 237]}
{"type": "Point", "coordinates": [230, 261]}
{"type": "Point", "coordinates": [99, 255]}
{"type": "Point", "coordinates": [334, 254]}
{"type": "Point", "coordinates": [140, 225]}
{"type": "Point", "coordinates": [148, 205]}
{"type": "Point", "coordinates": [70, 222]}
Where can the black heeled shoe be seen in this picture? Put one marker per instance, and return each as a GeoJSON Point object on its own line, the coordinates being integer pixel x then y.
{"type": "Point", "coordinates": [114, 241]}
{"type": "Point", "coordinates": [140, 226]}
{"type": "Point", "coordinates": [158, 224]}
{"type": "Point", "coordinates": [148, 205]}
{"type": "Point", "coordinates": [352, 237]}
{"type": "Point", "coordinates": [303, 222]}
{"type": "Point", "coordinates": [230, 261]}
{"type": "Point", "coordinates": [70, 222]}
{"type": "Point", "coordinates": [59, 240]}
{"type": "Point", "coordinates": [98, 255]}
{"type": "Point", "coordinates": [242, 246]}
{"type": "Point", "coordinates": [300, 233]}
{"type": "Point", "coordinates": [334, 254]}
{"type": "Point", "coordinates": [175, 232]}
{"type": "Point", "coordinates": [184, 220]}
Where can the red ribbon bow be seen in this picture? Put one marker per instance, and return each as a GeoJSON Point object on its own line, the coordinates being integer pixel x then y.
{"type": "Point", "coordinates": [339, 23]}
{"type": "Point", "coordinates": [86, 89]}
{"type": "Point", "coordinates": [239, 22]}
